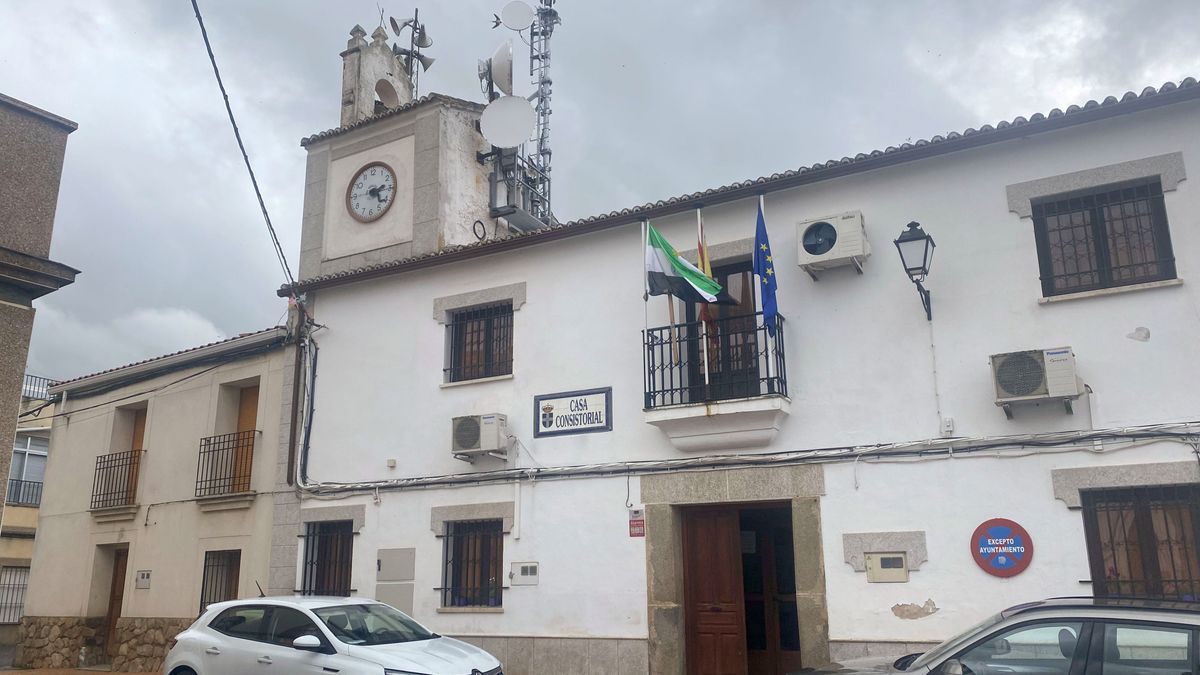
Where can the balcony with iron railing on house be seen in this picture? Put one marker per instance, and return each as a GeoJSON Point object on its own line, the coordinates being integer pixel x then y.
{"type": "Point", "coordinates": [225, 464]}
{"type": "Point", "coordinates": [23, 493]}
{"type": "Point", "coordinates": [716, 384]}
{"type": "Point", "coordinates": [37, 388]}
{"type": "Point", "coordinates": [114, 486]}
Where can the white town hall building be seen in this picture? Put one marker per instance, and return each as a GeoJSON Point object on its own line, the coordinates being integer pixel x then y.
{"type": "Point", "coordinates": [864, 480]}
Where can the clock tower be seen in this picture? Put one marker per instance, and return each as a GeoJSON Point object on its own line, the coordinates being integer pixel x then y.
{"type": "Point", "coordinates": [399, 178]}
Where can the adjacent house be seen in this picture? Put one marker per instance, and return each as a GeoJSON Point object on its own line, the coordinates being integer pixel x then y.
{"type": "Point", "coordinates": [18, 524]}
{"type": "Point", "coordinates": [158, 500]}
{"type": "Point", "coordinates": [32, 145]}
{"type": "Point", "coordinates": [504, 437]}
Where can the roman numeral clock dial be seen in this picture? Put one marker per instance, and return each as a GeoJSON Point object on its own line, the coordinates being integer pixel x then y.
{"type": "Point", "coordinates": [371, 192]}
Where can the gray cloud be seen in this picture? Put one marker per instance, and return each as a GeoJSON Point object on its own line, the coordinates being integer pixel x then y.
{"type": "Point", "coordinates": [652, 99]}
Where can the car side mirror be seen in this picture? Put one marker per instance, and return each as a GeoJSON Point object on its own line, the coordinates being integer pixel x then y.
{"type": "Point", "coordinates": [307, 643]}
{"type": "Point", "coordinates": [952, 667]}
{"type": "Point", "coordinates": [1001, 647]}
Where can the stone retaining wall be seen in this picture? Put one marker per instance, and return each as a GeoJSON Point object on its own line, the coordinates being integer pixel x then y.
{"type": "Point", "coordinates": [142, 642]}
{"type": "Point", "coordinates": [77, 642]}
{"type": "Point", "coordinates": [59, 641]}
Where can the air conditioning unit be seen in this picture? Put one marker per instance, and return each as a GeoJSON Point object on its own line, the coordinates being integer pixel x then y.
{"type": "Point", "coordinates": [835, 241]}
{"type": "Point", "coordinates": [1035, 375]}
{"type": "Point", "coordinates": [476, 435]}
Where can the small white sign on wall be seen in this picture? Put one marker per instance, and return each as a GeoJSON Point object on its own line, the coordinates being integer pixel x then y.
{"type": "Point", "coordinates": [572, 412]}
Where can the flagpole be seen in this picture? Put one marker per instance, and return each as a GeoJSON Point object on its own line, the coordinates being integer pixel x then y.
{"type": "Point", "coordinates": [674, 336]}
{"type": "Point", "coordinates": [758, 289]}
{"type": "Point", "coordinates": [703, 251]}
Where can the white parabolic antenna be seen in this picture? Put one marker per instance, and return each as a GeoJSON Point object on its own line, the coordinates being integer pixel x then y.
{"type": "Point", "coordinates": [502, 68]}
{"type": "Point", "coordinates": [517, 15]}
{"type": "Point", "coordinates": [508, 121]}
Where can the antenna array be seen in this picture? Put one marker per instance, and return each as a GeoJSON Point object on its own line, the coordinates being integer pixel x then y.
{"type": "Point", "coordinates": [520, 180]}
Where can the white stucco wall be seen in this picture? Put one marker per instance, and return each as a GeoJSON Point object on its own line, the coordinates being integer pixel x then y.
{"type": "Point", "coordinates": [859, 371]}
{"type": "Point", "coordinates": [169, 534]}
{"type": "Point", "coordinates": [592, 573]}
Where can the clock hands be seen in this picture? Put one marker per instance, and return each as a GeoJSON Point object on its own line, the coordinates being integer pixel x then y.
{"type": "Point", "coordinates": [377, 191]}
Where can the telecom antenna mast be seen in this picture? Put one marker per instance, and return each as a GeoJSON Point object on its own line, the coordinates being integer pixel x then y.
{"type": "Point", "coordinates": [539, 70]}
{"type": "Point", "coordinates": [518, 127]}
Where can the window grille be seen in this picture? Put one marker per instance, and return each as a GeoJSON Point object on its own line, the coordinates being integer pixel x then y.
{"type": "Point", "coordinates": [1114, 236]}
{"type": "Point", "coordinates": [225, 463]}
{"type": "Point", "coordinates": [23, 492]}
{"type": "Point", "coordinates": [474, 551]}
{"type": "Point", "coordinates": [115, 482]}
{"type": "Point", "coordinates": [13, 581]}
{"type": "Point", "coordinates": [328, 554]}
{"type": "Point", "coordinates": [220, 581]}
{"type": "Point", "coordinates": [480, 342]}
{"type": "Point", "coordinates": [1142, 542]}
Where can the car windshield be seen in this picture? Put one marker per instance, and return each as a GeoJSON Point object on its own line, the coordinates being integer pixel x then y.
{"type": "Point", "coordinates": [939, 651]}
{"type": "Point", "coordinates": [371, 625]}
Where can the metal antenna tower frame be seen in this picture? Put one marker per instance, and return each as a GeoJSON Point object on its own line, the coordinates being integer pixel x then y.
{"type": "Point", "coordinates": [539, 70]}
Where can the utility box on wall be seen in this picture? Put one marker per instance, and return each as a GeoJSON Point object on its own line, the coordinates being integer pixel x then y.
{"type": "Point", "coordinates": [887, 568]}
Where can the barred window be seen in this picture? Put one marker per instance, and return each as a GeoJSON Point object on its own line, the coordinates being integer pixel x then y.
{"type": "Point", "coordinates": [220, 580]}
{"type": "Point", "coordinates": [1113, 236]}
{"type": "Point", "coordinates": [328, 553]}
{"type": "Point", "coordinates": [474, 552]}
{"type": "Point", "coordinates": [13, 581]}
{"type": "Point", "coordinates": [480, 342]}
{"type": "Point", "coordinates": [1142, 541]}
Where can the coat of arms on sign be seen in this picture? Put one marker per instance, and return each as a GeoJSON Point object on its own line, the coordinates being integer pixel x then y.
{"type": "Point", "coordinates": [547, 415]}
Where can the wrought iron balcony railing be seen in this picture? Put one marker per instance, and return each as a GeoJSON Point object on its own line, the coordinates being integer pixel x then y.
{"type": "Point", "coordinates": [743, 360]}
{"type": "Point", "coordinates": [35, 387]}
{"type": "Point", "coordinates": [115, 483]}
{"type": "Point", "coordinates": [225, 463]}
{"type": "Point", "coordinates": [23, 493]}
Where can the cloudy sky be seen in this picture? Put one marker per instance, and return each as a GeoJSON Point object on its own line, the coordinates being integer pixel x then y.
{"type": "Point", "coordinates": [652, 99]}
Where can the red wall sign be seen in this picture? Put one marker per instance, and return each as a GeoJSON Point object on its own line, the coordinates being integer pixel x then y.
{"type": "Point", "coordinates": [1001, 547]}
{"type": "Point", "coordinates": [637, 523]}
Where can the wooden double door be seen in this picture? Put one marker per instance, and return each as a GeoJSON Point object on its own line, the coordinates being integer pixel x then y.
{"type": "Point", "coordinates": [739, 591]}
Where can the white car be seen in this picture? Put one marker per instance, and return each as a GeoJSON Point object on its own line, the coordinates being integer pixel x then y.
{"type": "Point", "coordinates": [294, 636]}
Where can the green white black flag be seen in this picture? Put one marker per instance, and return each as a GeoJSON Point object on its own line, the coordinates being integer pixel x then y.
{"type": "Point", "coordinates": [668, 272]}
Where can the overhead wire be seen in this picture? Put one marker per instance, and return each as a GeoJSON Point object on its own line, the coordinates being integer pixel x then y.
{"type": "Point", "coordinates": [287, 271]}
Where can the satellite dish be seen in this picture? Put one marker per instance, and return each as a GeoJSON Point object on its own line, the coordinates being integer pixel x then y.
{"type": "Point", "coordinates": [501, 66]}
{"type": "Point", "coordinates": [508, 121]}
{"type": "Point", "coordinates": [517, 15]}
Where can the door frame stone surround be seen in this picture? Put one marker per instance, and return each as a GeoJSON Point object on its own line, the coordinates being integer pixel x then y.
{"type": "Point", "coordinates": [663, 495]}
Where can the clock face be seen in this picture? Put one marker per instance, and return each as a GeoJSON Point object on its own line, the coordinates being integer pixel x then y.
{"type": "Point", "coordinates": [371, 192]}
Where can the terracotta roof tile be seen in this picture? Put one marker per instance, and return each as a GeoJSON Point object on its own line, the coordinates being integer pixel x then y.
{"type": "Point", "coordinates": [165, 356]}
{"type": "Point", "coordinates": [392, 112]}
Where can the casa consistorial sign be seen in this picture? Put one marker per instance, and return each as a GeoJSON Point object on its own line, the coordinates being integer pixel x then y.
{"type": "Point", "coordinates": [572, 412]}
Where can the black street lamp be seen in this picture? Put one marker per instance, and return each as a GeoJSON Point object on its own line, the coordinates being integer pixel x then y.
{"type": "Point", "coordinates": [916, 252]}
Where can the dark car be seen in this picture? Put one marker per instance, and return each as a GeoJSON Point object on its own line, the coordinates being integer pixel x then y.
{"type": "Point", "coordinates": [1063, 636]}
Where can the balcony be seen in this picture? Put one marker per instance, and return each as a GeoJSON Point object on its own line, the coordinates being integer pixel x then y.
{"type": "Point", "coordinates": [114, 487]}
{"type": "Point", "coordinates": [34, 387]}
{"type": "Point", "coordinates": [716, 385]}
{"type": "Point", "coordinates": [223, 471]}
{"type": "Point", "coordinates": [24, 493]}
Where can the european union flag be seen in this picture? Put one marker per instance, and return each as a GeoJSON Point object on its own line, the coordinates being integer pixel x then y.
{"type": "Point", "coordinates": [764, 267]}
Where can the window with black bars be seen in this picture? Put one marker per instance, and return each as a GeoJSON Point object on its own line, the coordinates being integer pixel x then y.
{"type": "Point", "coordinates": [328, 554]}
{"type": "Point", "coordinates": [220, 580]}
{"type": "Point", "coordinates": [1112, 236]}
{"type": "Point", "coordinates": [481, 342]}
{"type": "Point", "coordinates": [474, 552]}
{"type": "Point", "coordinates": [1142, 542]}
{"type": "Point", "coordinates": [13, 582]}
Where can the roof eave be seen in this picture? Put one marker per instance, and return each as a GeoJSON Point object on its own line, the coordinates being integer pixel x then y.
{"type": "Point", "coordinates": [172, 362]}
